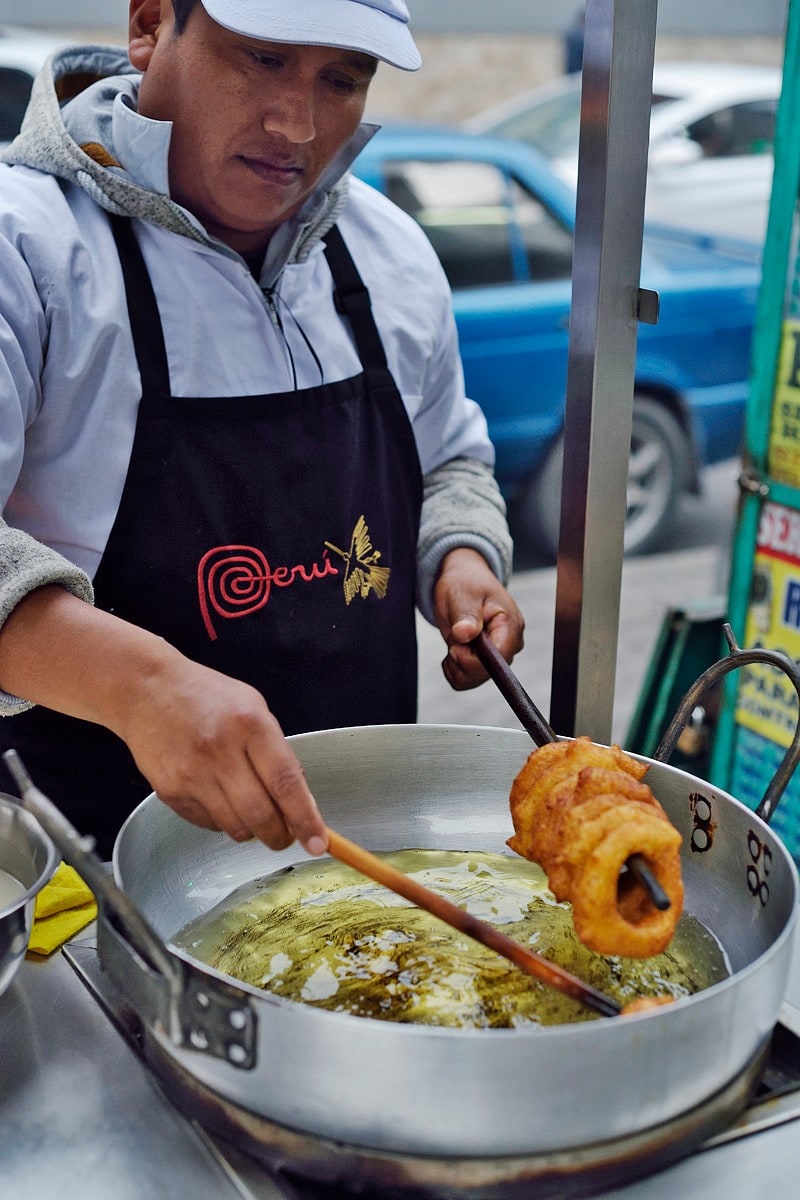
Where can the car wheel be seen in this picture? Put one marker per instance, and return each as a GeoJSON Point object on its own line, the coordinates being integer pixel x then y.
{"type": "Point", "coordinates": [656, 476]}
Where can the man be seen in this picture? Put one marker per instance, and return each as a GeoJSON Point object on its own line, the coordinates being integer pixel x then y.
{"type": "Point", "coordinates": [230, 396]}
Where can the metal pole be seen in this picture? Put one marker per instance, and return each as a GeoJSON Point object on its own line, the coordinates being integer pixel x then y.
{"type": "Point", "coordinates": [607, 303]}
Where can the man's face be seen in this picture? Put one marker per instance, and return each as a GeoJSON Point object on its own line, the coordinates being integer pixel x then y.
{"type": "Point", "coordinates": [255, 123]}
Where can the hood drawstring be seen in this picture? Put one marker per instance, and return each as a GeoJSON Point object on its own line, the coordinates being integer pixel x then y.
{"type": "Point", "coordinates": [273, 298]}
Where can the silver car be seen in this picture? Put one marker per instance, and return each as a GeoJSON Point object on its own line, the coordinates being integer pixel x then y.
{"type": "Point", "coordinates": [712, 127]}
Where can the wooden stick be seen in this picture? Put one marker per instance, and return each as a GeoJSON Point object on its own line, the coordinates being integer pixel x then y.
{"type": "Point", "coordinates": [527, 960]}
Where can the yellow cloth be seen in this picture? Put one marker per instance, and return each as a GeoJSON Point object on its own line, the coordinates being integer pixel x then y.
{"type": "Point", "coordinates": [63, 907]}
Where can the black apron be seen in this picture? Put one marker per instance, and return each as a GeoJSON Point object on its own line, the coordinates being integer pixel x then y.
{"type": "Point", "coordinates": [271, 537]}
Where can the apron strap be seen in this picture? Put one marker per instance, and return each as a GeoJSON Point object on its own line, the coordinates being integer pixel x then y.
{"type": "Point", "coordinates": [148, 333]}
{"type": "Point", "coordinates": [352, 301]}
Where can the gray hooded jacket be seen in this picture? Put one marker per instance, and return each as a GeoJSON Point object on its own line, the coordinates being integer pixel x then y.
{"type": "Point", "coordinates": [72, 140]}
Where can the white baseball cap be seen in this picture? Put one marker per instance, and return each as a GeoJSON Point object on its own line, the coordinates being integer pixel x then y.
{"type": "Point", "coordinates": [376, 27]}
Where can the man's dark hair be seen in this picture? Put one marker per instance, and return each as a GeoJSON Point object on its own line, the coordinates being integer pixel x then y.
{"type": "Point", "coordinates": [182, 9]}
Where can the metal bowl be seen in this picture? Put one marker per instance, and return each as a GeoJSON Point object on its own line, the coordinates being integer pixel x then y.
{"type": "Point", "coordinates": [30, 858]}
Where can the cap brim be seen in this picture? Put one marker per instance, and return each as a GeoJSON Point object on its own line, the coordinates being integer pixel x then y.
{"type": "Point", "coordinates": [339, 23]}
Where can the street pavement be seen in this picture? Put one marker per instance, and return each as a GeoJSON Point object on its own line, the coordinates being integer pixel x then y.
{"type": "Point", "coordinates": [651, 585]}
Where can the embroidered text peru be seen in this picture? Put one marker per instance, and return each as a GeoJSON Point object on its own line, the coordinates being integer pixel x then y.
{"type": "Point", "coordinates": [234, 581]}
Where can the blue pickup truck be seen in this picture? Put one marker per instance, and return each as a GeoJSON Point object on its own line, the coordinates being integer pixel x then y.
{"type": "Point", "coordinates": [502, 224]}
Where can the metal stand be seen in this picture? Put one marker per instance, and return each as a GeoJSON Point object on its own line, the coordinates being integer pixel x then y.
{"type": "Point", "coordinates": [607, 303]}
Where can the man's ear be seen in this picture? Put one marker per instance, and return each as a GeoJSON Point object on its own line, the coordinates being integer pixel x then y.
{"type": "Point", "coordinates": [145, 18]}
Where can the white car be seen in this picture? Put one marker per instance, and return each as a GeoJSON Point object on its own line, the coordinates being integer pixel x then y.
{"type": "Point", "coordinates": [712, 128]}
{"type": "Point", "coordinates": [22, 53]}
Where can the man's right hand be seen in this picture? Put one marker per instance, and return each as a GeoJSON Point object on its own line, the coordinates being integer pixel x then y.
{"type": "Point", "coordinates": [214, 752]}
{"type": "Point", "coordinates": [206, 743]}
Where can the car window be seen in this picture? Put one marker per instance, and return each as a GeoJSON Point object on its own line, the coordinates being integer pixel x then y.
{"type": "Point", "coordinates": [737, 130]}
{"type": "Point", "coordinates": [547, 243]}
{"type": "Point", "coordinates": [551, 126]}
{"type": "Point", "coordinates": [15, 92]}
{"type": "Point", "coordinates": [485, 226]}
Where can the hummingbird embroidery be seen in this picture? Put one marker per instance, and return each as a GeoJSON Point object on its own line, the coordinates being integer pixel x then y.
{"type": "Point", "coordinates": [362, 575]}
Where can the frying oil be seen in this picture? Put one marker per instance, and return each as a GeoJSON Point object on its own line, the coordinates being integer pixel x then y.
{"type": "Point", "coordinates": [322, 934]}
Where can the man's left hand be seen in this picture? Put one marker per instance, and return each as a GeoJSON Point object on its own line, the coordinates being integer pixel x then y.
{"type": "Point", "coordinates": [468, 597]}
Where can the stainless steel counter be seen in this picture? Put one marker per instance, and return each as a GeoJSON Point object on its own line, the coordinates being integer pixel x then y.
{"type": "Point", "coordinates": [82, 1119]}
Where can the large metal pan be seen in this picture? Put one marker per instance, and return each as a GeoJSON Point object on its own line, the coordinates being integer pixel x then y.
{"type": "Point", "coordinates": [445, 1092]}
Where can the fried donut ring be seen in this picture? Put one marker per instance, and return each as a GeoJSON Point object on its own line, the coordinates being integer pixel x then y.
{"type": "Point", "coordinates": [544, 770]}
{"type": "Point", "coordinates": [634, 928]}
{"type": "Point", "coordinates": [554, 809]}
{"type": "Point", "coordinates": [564, 811]}
{"type": "Point", "coordinates": [600, 781]}
{"type": "Point", "coordinates": [580, 834]}
{"type": "Point", "coordinates": [548, 767]}
{"type": "Point", "coordinates": [560, 846]}
{"type": "Point", "coordinates": [581, 810]}
{"type": "Point", "coordinates": [645, 1003]}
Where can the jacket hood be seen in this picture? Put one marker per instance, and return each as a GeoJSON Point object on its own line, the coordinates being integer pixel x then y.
{"type": "Point", "coordinates": [68, 132]}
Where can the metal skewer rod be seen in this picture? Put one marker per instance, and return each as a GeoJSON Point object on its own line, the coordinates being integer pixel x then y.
{"type": "Point", "coordinates": [79, 852]}
{"type": "Point", "coordinates": [527, 960]}
{"type": "Point", "coordinates": [542, 733]}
